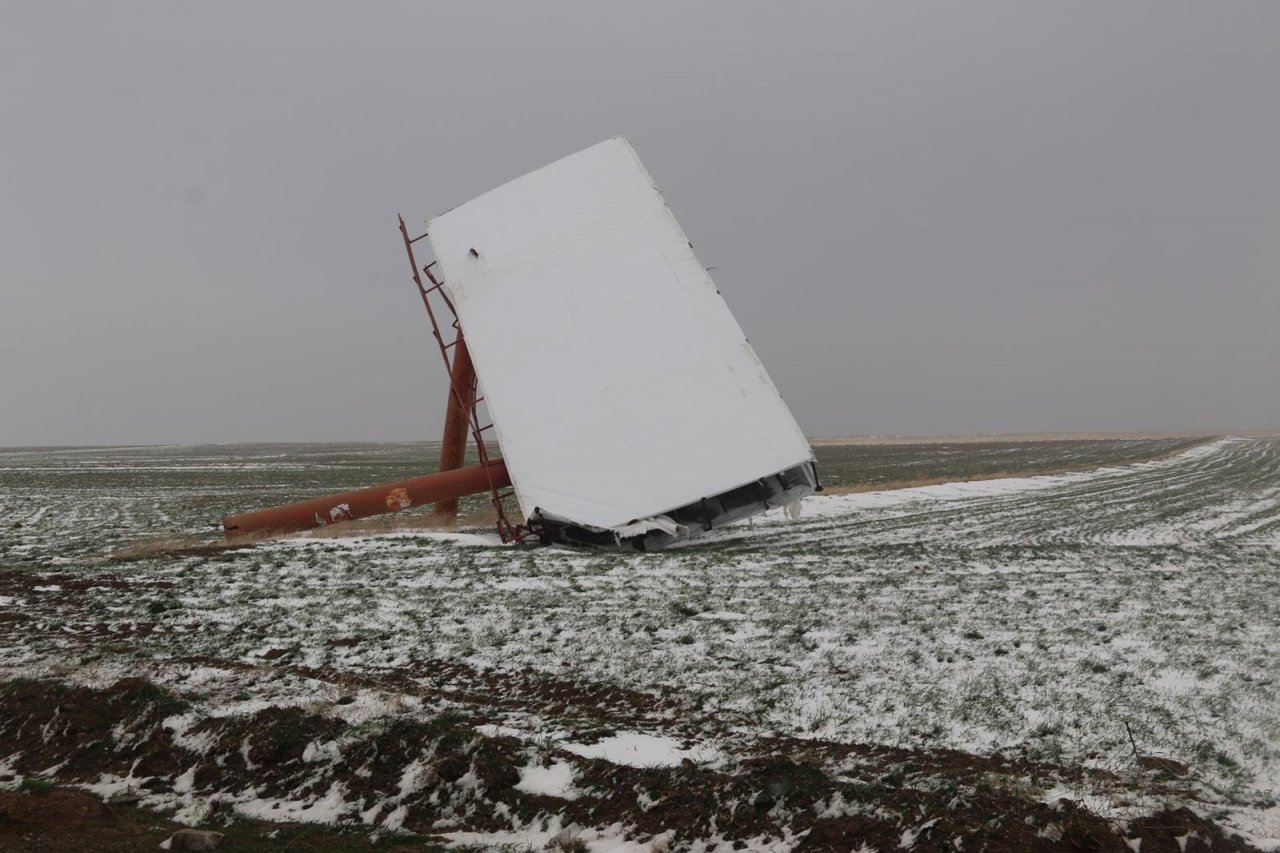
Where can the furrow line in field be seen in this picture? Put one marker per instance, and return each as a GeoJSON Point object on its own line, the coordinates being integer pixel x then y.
{"type": "Point", "coordinates": [1079, 510]}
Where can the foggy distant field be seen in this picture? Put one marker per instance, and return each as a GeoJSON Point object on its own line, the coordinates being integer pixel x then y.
{"type": "Point", "coordinates": [1080, 619]}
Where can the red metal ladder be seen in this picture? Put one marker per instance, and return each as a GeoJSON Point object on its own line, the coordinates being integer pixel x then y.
{"type": "Point", "coordinates": [480, 424]}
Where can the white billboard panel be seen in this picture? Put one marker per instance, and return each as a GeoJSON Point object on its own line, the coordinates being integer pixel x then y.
{"type": "Point", "coordinates": [619, 384]}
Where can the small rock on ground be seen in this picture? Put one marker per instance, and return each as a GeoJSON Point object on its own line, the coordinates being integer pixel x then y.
{"type": "Point", "coordinates": [194, 840]}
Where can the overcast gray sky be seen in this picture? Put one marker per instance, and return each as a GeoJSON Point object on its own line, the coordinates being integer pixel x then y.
{"type": "Point", "coordinates": [929, 217]}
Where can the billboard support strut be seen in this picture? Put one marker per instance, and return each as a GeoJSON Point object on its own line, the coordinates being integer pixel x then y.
{"type": "Point", "coordinates": [463, 402]}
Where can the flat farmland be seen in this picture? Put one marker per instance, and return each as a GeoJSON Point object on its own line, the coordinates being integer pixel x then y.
{"type": "Point", "coordinates": [865, 465]}
{"type": "Point", "coordinates": [1010, 662]}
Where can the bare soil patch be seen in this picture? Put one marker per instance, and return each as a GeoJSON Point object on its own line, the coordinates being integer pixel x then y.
{"type": "Point", "coordinates": [834, 796]}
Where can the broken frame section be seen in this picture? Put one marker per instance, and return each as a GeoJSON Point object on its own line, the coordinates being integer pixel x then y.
{"type": "Point", "coordinates": [783, 489]}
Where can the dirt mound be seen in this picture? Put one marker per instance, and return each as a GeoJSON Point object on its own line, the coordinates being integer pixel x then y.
{"type": "Point", "coordinates": [438, 774]}
{"type": "Point", "coordinates": [69, 821]}
{"type": "Point", "coordinates": [25, 812]}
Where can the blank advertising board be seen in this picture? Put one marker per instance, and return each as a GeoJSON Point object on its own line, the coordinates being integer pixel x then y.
{"type": "Point", "coordinates": [619, 384]}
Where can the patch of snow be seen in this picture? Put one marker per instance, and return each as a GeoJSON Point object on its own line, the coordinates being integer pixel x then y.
{"type": "Point", "coordinates": [410, 779]}
{"type": "Point", "coordinates": [493, 730]}
{"type": "Point", "coordinates": [8, 773]}
{"type": "Point", "coordinates": [1175, 681]}
{"type": "Point", "coordinates": [249, 763]}
{"type": "Point", "coordinates": [317, 751]}
{"type": "Point", "coordinates": [184, 783]}
{"type": "Point", "coordinates": [908, 838]}
{"type": "Point", "coordinates": [395, 820]}
{"type": "Point", "coordinates": [369, 815]}
{"type": "Point", "coordinates": [180, 725]}
{"type": "Point", "coordinates": [553, 781]}
{"type": "Point", "coordinates": [641, 750]}
{"type": "Point", "coordinates": [609, 839]}
{"type": "Point", "coordinates": [327, 809]}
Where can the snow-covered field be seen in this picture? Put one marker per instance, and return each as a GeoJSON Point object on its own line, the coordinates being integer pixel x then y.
{"type": "Point", "coordinates": [1075, 618]}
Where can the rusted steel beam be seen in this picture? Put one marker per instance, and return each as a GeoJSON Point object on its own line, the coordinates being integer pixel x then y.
{"type": "Point", "coordinates": [457, 419]}
{"type": "Point", "coordinates": [374, 500]}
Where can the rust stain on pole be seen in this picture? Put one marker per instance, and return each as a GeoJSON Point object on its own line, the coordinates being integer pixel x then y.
{"type": "Point", "coordinates": [374, 500]}
{"type": "Point", "coordinates": [457, 419]}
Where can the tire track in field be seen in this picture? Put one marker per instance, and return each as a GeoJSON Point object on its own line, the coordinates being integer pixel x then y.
{"type": "Point", "coordinates": [1224, 491]}
{"type": "Point", "coordinates": [1190, 504]}
{"type": "Point", "coordinates": [1095, 510]}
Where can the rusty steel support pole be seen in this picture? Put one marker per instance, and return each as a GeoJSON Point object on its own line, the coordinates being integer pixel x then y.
{"type": "Point", "coordinates": [374, 500]}
{"type": "Point", "coordinates": [457, 419]}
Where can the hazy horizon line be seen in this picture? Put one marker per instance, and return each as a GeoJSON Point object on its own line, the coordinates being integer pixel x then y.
{"type": "Point", "coordinates": [819, 440]}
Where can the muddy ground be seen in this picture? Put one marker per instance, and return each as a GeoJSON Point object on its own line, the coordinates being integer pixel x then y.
{"type": "Point", "coordinates": [828, 796]}
{"type": "Point", "coordinates": [1102, 641]}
